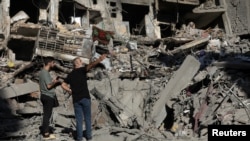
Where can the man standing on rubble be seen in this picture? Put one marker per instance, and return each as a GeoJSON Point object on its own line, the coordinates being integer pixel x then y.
{"type": "Point", "coordinates": [76, 84]}
{"type": "Point", "coordinates": [48, 95]}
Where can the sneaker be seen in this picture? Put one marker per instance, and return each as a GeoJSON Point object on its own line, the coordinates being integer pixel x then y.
{"type": "Point", "coordinates": [49, 137]}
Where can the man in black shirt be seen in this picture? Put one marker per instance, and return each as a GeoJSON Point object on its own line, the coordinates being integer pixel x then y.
{"type": "Point", "coordinates": [76, 84]}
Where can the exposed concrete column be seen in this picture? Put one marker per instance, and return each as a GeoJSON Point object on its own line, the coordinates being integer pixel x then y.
{"type": "Point", "coordinates": [42, 14]}
{"type": "Point", "coordinates": [5, 21]}
{"type": "Point", "coordinates": [53, 11]}
{"type": "Point", "coordinates": [119, 10]}
{"type": "Point", "coordinates": [85, 20]}
{"type": "Point", "coordinates": [152, 29]}
{"type": "Point", "coordinates": [226, 20]}
{"type": "Point", "coordinates": [1, 18]}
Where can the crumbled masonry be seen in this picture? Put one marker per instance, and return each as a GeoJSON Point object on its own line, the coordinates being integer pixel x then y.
{"type": "Point", "coordinates": [173, 67]}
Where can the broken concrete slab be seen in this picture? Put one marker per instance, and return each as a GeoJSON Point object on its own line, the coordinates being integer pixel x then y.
{"type": "Point", "coordinates": [180, 80]}
{"type": "Point", "coordinates": [15, 90]}
{"type": "Point", "coordinates": [29, 110]}
{"type": "Point", "coordinates": [190, 45]}
{"type": "Point", "coordinates": [62, 121]}
{"type": "Point", "coordinates": [123, 114]}
{"type": "Point", "coordinates": [21, 15]}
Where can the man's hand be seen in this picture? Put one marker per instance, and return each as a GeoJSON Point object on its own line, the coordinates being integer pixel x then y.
{"type": "Point", "coordinates": [56, 81]}
{"type": "Point", "coordinates": [66, 87]}
{"type": "Point", "coordinates": [53, 84]}
{"type": "Point", "coordinates": [102, 57]}
{"type": "Point", "coordinates": [92, 64]}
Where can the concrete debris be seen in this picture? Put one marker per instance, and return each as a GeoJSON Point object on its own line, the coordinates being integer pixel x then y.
{"type": "Point", "coordinates": [15, 90]}
{"type": "Point", "coordinates": [169, 72]}
{"type": "Point", "coordinates": [173, 88]}
{"type": "Point", "coordinates": [21, 15]}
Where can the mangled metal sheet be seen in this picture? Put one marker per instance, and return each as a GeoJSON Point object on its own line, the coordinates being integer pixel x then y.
{"type": "Point", "coordinates": [50, 42]}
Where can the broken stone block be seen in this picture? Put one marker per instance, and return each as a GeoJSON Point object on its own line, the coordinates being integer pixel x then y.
{"type": "Point", "coordinates": [15, 90]}
{"type": "Point", "coordinates": [176, 84]}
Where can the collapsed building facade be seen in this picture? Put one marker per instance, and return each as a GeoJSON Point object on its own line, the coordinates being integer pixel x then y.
{"type": "Point", "coordinates": [174, 66]}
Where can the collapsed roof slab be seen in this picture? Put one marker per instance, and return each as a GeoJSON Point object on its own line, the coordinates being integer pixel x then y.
{"type": "Point", "coordinates": [176, 84]}
{"type": "Point", "coordinates": [25, 31]}
{"type": "Point", "coordinates": [15, 90]}
{"type": "Point", "coordinates": [203, 18]}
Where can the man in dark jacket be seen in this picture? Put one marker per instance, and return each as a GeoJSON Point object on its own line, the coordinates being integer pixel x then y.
{"type": "Point", "coordinates": [76, 84]}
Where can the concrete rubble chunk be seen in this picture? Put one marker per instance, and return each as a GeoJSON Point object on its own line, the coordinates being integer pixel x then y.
{"type": "Point", "coordinates": [180, 80]}
{"type": "Point", "coordinates": [29, 110]}
{"type": "Point", "coordinates": [15, 90]}
{"type": "Point", "coordinates": [21, 15]}
{"type": "Point", "coordinates": [173, 67]}
{"type": "Point", "coordinates": [125, 116]}
{"type": "Point", "coordinates": [62, 121]}
{"type": "Point", "coordinates": [190, 45]}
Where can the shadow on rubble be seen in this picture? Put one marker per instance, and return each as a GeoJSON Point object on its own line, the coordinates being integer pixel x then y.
{"type": "Point", "coordinates": [9, 123]}
{"type": "Point", "coordinates": [228, 85]}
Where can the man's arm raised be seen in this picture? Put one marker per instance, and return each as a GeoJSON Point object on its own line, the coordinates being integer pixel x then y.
{"type": "Point", "coordinates": [93, 64]}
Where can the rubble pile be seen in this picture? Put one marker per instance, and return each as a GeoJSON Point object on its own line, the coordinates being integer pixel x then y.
{"type": "Point", "coordinates": [138, 95]}
{"type": "Point", "coordinates": [153, 89]}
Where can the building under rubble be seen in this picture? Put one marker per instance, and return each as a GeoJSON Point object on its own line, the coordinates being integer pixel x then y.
{"type": "Point", "coordinates": [157, 82]}
{"type": "Point", "coordinates": [152, 19]}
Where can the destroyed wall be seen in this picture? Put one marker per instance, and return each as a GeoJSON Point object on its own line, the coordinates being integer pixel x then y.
{"type": "Point", "coordinates": [114, 15]}
{"type": "Point", "coordinates": [111, 15]}
{"type": "Point", "coordinates": [167, 88]}
{"type": "Point", "coordinates": [238, 13]}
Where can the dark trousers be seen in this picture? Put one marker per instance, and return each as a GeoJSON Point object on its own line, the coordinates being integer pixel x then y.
{"type": "Point", "coordinates": [48, 103]}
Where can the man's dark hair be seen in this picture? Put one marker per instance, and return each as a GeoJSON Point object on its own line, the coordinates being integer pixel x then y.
{"type": "Point", "coordinates": [47, 60]}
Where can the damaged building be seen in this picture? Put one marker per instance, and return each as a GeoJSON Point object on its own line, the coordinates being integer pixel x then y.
{"type": "Point", "coordinates": [174, 67]}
